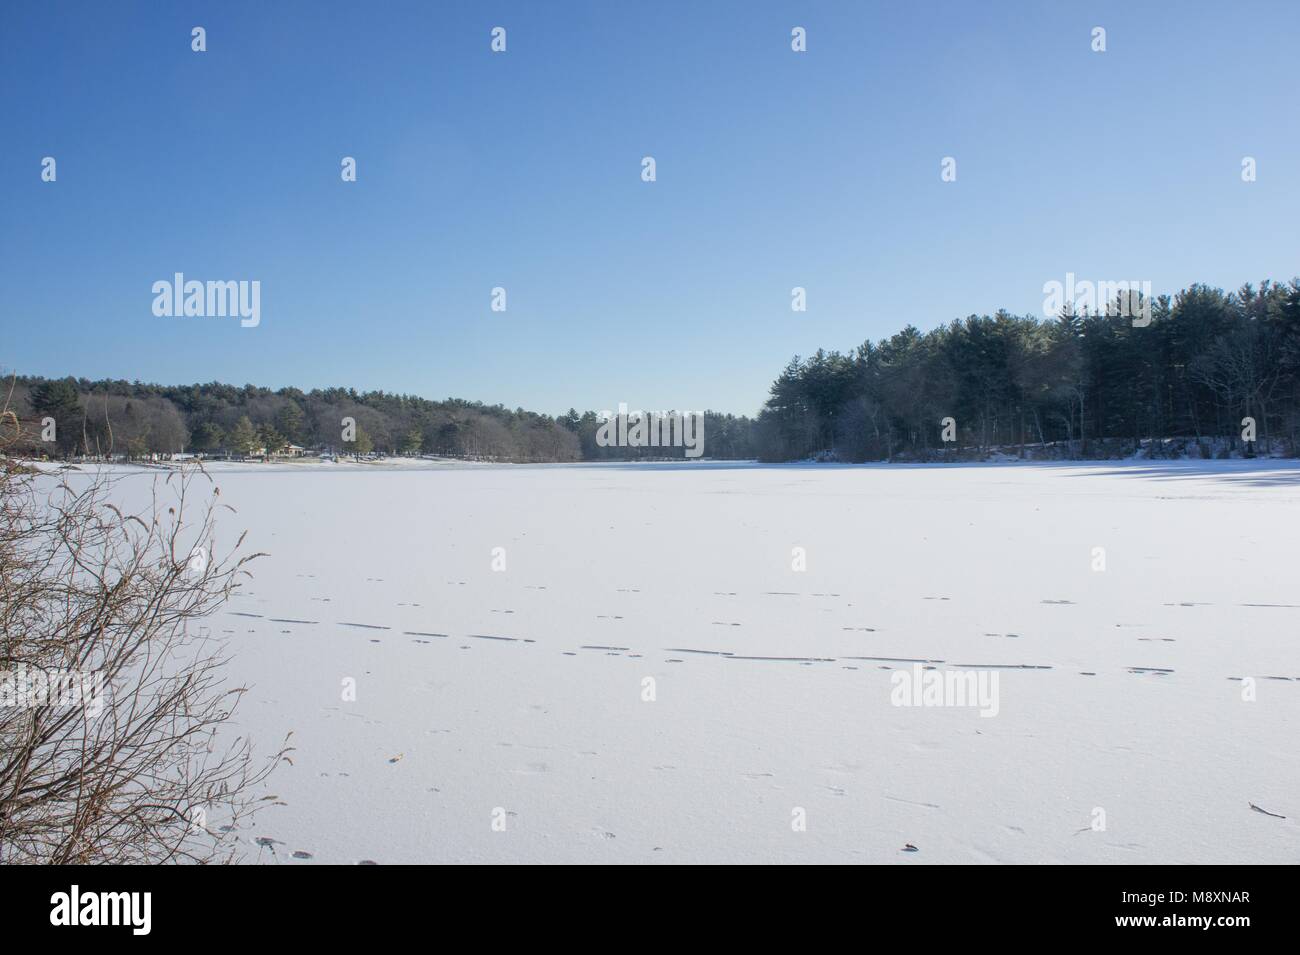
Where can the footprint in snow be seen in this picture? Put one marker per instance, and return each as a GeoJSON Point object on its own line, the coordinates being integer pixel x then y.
{"type": "Point", "coordinates": [532, 769]}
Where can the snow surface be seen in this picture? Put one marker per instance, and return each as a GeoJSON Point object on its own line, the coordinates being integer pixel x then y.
{"type": "Point", "coordinates": [521, 691]}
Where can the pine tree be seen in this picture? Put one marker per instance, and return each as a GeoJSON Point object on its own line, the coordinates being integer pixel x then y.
{"type": "Point", "coordinates": [411, 442]}
{"type": "Point", "coordinates": [289, 422]}
{"type": "Point", "coordinates": [59, 400]}
{"type": "Point", "coordinates": [360, 443]}
{"type": "Point", "coordinates": [270, 439]}
{"type": "Point", "coordinates": [207, 437]}
{"type": "Point", "coordinates": [243, 439]}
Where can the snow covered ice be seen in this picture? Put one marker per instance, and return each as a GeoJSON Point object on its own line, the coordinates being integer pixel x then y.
{"type": "Point", "coordinates": [503, 714]}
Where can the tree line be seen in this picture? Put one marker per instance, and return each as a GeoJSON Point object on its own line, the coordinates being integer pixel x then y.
{"type": "Point", "coordinates": [1204, 373]}
{"type": "Point", "coordinates": [137, 420]}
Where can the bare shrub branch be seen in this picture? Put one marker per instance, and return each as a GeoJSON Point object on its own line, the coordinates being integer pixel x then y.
{"type": "Point", "coordinates": [145, 771]}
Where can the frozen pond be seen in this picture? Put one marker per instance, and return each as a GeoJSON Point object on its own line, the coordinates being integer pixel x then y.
{"type": "Point", "coordinates": [699, 663]}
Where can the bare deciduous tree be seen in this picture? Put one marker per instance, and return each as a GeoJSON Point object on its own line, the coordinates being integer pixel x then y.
{"type": "Point", "coordinates": [150, 771]}
{"type": "Point", "coordinates": [1242, 369]}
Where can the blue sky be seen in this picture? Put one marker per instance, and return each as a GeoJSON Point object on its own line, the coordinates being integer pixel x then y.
{"type": "Point", "coordinates": [522, 170]}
